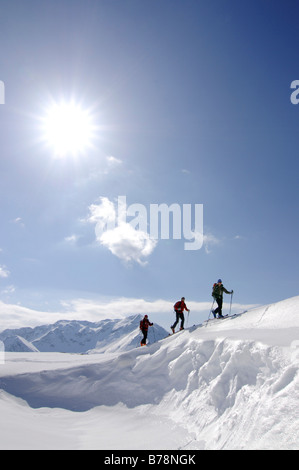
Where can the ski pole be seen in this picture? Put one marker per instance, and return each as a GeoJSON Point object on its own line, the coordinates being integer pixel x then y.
{"type": "Point", "coordinates": [231, 301]}
{"type": "Point", "coordinates": [139, 337]}
{"type": "Point", "coordinates": [210, 312]}
{"type": "Point", "coordinates": [154, 334]}
{"type": "Point", "coordinates": [188, 318]}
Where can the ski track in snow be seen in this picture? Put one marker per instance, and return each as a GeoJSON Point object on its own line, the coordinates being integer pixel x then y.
{"type": "Point", "coordinates": [229, 384]}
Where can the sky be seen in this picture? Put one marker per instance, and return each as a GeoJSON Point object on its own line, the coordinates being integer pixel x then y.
{"type": "Point", "coordinates": [184, 102]}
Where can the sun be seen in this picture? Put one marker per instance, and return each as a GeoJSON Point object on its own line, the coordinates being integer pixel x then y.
{"type": "Point", "coordinates": [68, 129]}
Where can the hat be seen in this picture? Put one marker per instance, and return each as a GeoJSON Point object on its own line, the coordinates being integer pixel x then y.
{"type": "Point", "coordinates": [219, 281]}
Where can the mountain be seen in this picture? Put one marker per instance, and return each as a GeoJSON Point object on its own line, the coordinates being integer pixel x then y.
{"type": "Point", "coordinates": [17, 343]}
{"type": "Point", "coordinates": [80, 336]}
{"type": "Point", "coordinates": [226, 384]}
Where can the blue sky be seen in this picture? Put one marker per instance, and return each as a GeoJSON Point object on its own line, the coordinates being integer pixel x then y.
{"type": "Point", "coordinates": [191, 104]}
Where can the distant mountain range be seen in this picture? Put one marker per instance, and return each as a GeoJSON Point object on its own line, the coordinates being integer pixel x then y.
{"type": "Point", "coordinates": [81, 336]}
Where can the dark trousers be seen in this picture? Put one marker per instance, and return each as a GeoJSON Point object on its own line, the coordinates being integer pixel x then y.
{"type": "Point", "coordinates": [219, 308]}
{"type": "Point", "coordinates": [179, 316]}
{"type": "Point", "coordinates": [144, 332]}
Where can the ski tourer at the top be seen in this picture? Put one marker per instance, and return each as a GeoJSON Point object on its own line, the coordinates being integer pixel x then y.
{"type": "Point", "coordinates": [217, 294]}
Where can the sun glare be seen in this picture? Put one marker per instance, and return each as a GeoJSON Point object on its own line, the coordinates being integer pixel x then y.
{"type": "Point", "coordinates": [68, 129]}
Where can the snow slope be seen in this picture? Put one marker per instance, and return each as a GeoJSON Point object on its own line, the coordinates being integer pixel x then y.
{"type": "Point", "coordinates": [228, 384]}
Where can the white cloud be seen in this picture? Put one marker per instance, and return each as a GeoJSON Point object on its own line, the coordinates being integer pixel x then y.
{"type": "Point", "coordinates": [16, 316]}
{"type": "Point", "coordinates": [102, 213]}
{"type": "Point", "coordinates": [128, 244]}
{"type": "Point", "coordinates": [4, 272]}
{"type": "Point", "coordinates": [209, 240]}
{"type": "Point", "coordinates": [113, 161]}
{"type": "Point", "coordinates": [239, 237]}
{"type": "Point", "coordinates": [160, 311]}
{"type": "Point", "coordinates": [72, 239]}
{"type": "Point", "coordinates": [121, 239]}
{"type": "Point", "coordinates": [115, 308]}
{"type": "Point", "coordinates": [8, 290]}
{"type": "Point", "coordinates": [18, 221]}
{"type": "Point", "coordinates": [124, 306]}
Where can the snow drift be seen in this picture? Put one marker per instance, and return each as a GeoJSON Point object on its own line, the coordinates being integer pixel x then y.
{"type": "Point", "coordinates": [226, 384]}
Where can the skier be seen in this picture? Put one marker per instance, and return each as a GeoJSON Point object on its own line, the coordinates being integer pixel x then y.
{"type": "Point", "coordinates": [144, 324]}
{"type": "Point", "coordinates": [179, 308]}
{"type": "Point", "coordinates": [218, 289]}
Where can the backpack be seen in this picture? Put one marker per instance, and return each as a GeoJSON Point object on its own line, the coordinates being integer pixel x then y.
{"type": "Point", "coordinates": [178, 305]}
{"type": "Point", "coordinates": [216, 290]}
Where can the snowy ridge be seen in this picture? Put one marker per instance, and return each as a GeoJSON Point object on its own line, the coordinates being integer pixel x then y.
{"type": "Point", "coordinates": [19, 344]}
{"type": "Point", "coordinates": [230, 385]}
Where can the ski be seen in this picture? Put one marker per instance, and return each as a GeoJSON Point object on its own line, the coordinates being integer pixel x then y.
{"type": "Point", "coordinates": [224, 317]}
{"type": "Point", "coordinates": [175, 332]}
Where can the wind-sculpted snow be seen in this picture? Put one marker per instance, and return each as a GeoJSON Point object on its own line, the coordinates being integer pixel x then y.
{"type": "Point", "coordinates": [227, 388]}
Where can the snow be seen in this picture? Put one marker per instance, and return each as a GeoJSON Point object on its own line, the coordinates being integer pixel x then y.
{"type": "Point", "coordinates": [225, 384]}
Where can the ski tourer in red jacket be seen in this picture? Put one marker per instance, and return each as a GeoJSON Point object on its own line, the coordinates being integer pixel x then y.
{"type": "Point", "coordinates": [144, 324]}
{"type": "Point", "coordinates": [179, 308]}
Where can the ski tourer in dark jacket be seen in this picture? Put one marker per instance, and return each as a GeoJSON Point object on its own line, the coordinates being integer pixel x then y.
{"type": "Point", "coordinates": [218, 289]}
